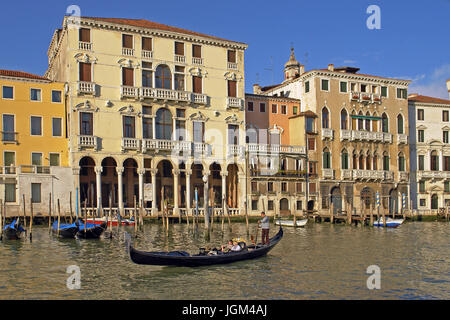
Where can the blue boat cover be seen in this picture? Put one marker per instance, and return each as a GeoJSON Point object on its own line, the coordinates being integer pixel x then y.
{"type": "Point", "coordinates": [88, 226]}
{"type": "Point", "coordinates": [12, 225]}
{"type": "Point", "coordinates": [63, 226]}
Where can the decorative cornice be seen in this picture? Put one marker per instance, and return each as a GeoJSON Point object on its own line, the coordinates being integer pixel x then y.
{"type": "Point", "coordinates": [230, 75]}
{"type": "Point", "coordinates": [233, 120]}
{"type": "Point", "coordinates": [198, 117]}
{"type": "Point", "coordinates": [84, 57]}
{"type": "Point", "coordinates": [85, 106]}
{"type": "Point", "coordinates": [356, 77]}
{"type": "Point", "coordinates": [128, 63]}
{"type": "Point", "coordinates": [196, 71]}
{"type": "Point", "coordinates": [129, 110]}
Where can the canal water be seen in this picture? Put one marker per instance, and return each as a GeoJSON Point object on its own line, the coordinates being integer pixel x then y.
{"type": "Point", "coordinates": [320, 261]}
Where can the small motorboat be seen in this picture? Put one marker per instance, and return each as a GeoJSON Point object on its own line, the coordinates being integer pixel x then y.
{"type": "Point", "coordinates": [65, 230]}
{"type": "Point", "coordinates": [391, 223]}
{"type": "Point", "coordinates": [290, 223]}
{"type": "Point", "coordinates": [115, 222]}
{"type": "Point", "coordinates": [90, 230]}
{"type": "Point", "coordinates": [184, 259]}
{"type": "Point", "coordinates": [13, 231]}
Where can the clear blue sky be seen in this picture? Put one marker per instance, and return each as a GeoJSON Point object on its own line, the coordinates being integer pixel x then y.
{"type": "Point", "coordinates": [413, 43]}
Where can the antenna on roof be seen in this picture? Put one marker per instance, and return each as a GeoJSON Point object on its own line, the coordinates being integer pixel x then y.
{"type": "Point", "coordinates": [271, 68]}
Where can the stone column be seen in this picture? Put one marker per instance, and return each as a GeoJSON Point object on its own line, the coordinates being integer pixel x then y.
{"type": "Point", "coordinates": [224, 175]}
{"type": "Point", "coordinates": [241, 193]}
{"type": "Point", "coordinates": [176, 185]}
{"type": "Point", "coordinates": [76, 196]}
{"type": "Point", "coordinates": [154, 206]}
{"type": "Point", "coordinates": [120, 171]}
{"type": "Point", "coordinates": [188, 191]}
{"type": "Point", "coordinates": [154, 127]}
{"type": "Point", "coordinates": [98, 182]}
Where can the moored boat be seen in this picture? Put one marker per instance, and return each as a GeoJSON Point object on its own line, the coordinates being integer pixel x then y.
{"type": "Point", "coordinates": [65, 230]}
{"type": "Point", "coordinates": [13, 231]}
{"type": "Point", "coordinates": [290, 223]}
{"type": "Point", "coordinates": [115, 222]}
{"type": "Point", "coordinates": [90, 230]}
{"type": "Point", "coordinates": [392, 223]}
{"type": "Point", "coordinates": [184, 259]}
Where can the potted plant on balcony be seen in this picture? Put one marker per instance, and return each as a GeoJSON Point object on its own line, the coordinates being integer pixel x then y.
{"type": "Point", "coordinates": [366, 97]}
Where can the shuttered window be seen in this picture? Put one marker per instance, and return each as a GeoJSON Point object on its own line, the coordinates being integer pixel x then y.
{"type": "Point", "coordinates": [85, 72]}
{"type": "Point", "coordinates": [232, 56]}
{"type": "Point", "coordinates": [147, 44]}
{"type": "Point", "coordinates": [179, 48]}
{"type": "Point", "coordinates": [232, 88]}
{"type": "Point", "coordinates": [196, 51]}
{"type": "Point", "coordinates": [128, 77]}
{"type": "Point", "coordinates": [199, 131]}
{"type": "Point", "coordinates": [127, 41]}
{"type": "Point", "coordinates": [85, 35]}
{"type": "Point", "coordinates": [128, 127]}
{"type": "Point", "coordinates": [86, 124]}
{"type": "Point", "coordinates": [197, 84]}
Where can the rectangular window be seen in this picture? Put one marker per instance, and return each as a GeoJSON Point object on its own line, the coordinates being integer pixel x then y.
{"type": "Point", "coordinates": [147, 44]}
{"type": "Point", "coordinates": [324, 84]}
{"type": "Point", "coordinates": [85, 35]}
{"type": "Point", "coordinates": [231, 56]}
{"type": "Point", "coordinates": [294, 109]}
{"type": "Point", "coordinates": [180, 131]}
{"type": "Point", "coordinates": [147, 78]}
{"type": "Point", "coordinates": [386, 163]}
{"type": "Point", "coordinates": [250, 106]}
{"type": "Point", "coordinates": [56, 127]}
{"type": "Point", "coordinates": [262, 107]}
{"type": "Point", "coordinates": [197, 84]}
{"type": "Point", "coordinates": [401, 164]}
{"type": "Point", "coordinates": [233, 134]}
{"type": "Point", "coordinates": [196, 51]}
{"type": "Point", "coordinates": [420, 136]}
{"type": "Point", "coordinates": [299, 205]}
{"type": "Point", "coordinates": [270, 205]}
{"type": "Point", "coordinates": [36, 159]}
{"type": "Point", "coordinates": [128, 77]}
{"type": "Point", "coordinates": [86, 124]}
{"type": "Point", "coordinates": [85, 72]}
{"type": "Point", "coordinates": [36, 126]}
{"type": "Point", "coordinates": [446, 163]}
{"type": "Point", "coordinates": [36, 192]}
{"type": "Point", "coordinates": [421, 160]}
{"type": "Point", "coordinates": [402, 93]}
{"type": "Point", "coordinates": [445, 115]}
{"type": "Point", "coordinates": [8, 133]}
{"type": "Point", "coordinates": [283, 187]}
{"type": "Point", "coordinates": [423, 202]}
{"type": "Point", "coordinates": [384, 91]}
{"type": "Point", "coordinates": [306, 86]}
{"type": "Point", "coordinates": [311, 144]}
{"type": "Point", "coordinates": [199, 131]}
{"type": "Point", "coordinates": [254, 186]}
{"type": "Point", "coordinates": [270, 186]}
{"type": "Point", "coordinates": [232, 88]}
{"type": "Point", "coordinates": [147, 128]}
{"type": "Point", "coordinates": [128, 127]}
{"type": "Point", "coordinates": [312, 187]}
{"type": "Point", "coordinates": [299, 187]}
{"type": "Point", "coordinates": [312, 168]}
{"type": "Point", "coordinates": [363, 88]}
{"type": "Point", "coordinates": [310, 125]}
{"type": "Point", "coordinates": [343, 87]}
{"type": "Point", "coordinates": [179, 48]}
{"type": "Point", "coordinates": [420, 114]}
{"type": "Point", "coordinates": [7, 92]}
{"type": "Point", "coordinates": [127, 41]}
{"type": "Point", "coordinates": [446, 186]}
{"type": "Point", "coordinates": [179, 81]}
{"type": "Point", "coordinates": [421, 186]}
{"type": "Point", "coordinates": [445, 136]}
{"type": "Point", "coordinates": [274, 108]}
{"type": "Point", "coordinates": [35, 94]}
{"type": "Point", "coordinates": [10, 192]}
{"type": "Point", "coordinates": [283, 109]}
{"type": "Point", "coordinates": [54, 159]}
{"type": "Point", "coordinates": [56, 96]}
{"type": "Point", "coordinates": [254, 205]}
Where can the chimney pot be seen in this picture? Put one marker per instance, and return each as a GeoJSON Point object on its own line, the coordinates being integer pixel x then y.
{"type": "Point", "coordinates": [331, 67]}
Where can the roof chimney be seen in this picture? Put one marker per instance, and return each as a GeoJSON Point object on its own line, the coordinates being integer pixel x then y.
{"type": "Point", "coordinates": [302, 70]}
{"type": "Point", "coordinates": [257, 89]}
{"type": "Point", "coordinates": [331, 67]}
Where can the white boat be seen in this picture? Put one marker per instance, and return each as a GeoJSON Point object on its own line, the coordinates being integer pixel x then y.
{"type": "Point", "coordinates": [393, 223]}
{"type": "Point", "coordinates": [290, 223]}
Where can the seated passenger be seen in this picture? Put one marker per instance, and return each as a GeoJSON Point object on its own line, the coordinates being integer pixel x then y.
{"type": "Point", "coordinates": [236, 247]}
{"type": "Point", "coordinates": [228, 247]}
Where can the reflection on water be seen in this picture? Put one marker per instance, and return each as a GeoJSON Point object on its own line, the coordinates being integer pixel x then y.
{"type": "Point", "coordinates": [321, 261]}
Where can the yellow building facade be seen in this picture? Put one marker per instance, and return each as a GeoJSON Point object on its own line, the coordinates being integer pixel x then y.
{"type": "Point", "coordinates": [153, 112]}
{"type": "Point", "coordinates": [34, 146]}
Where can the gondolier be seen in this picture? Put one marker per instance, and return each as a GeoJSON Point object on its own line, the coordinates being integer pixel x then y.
{"type": "Point", "coordinates": [264, 223]}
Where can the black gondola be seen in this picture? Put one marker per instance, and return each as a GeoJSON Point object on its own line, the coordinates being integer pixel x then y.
{"type": "Point", "coordinates": [68, 231]}
{"type": "Point", "coordinates": [91, 231]}
{"type": "Point", "coordinates": [183, 259]}
{"type": "Point", "coordinates": [13, 231]}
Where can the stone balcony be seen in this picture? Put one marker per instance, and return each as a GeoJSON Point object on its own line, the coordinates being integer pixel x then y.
{"type": "Point", "coordinates": [434, 175]}
{"type": "Point", "coordinates": [372, 175]}
{"type": "Point", "coordinates": [131, 144]}
{"type": "Point", "coordinates": [360, 135]}
{"type": "Point", "coordinates": [232, 66]}
{"type": "Point", "coordinates": [235, 103]}
{"type": "Point", "coordinates": [179, 59]}
{"type": "Point", "coordinates": [88, 142]}
{"type": "Point", "coordinates": [129, 92]}
{"type": "Point", "coordinates": [258, 148]}
{"type": "Point", "coordinates": [128, 52]}
{"type": "Point", "coordinates": [365, 97]}
{"type": "Point", "coordinates": [166, 145]}
{"type": "Point", "coordinates": [403, 176]}
{"type": "Point", "coordinates": [85, 46]}
{"type": "Point", "coordinates": [235, 150]}
{"type": "Point", "coordinates": [85, 87]}
{"type": "Point", "coordinates": [197, 61]}
{"type": "Point", "coordinates": [346, 174]}
{"type": "Point", "coordinates": [327, 173]}
{"type": "Point", "coordinates": [402, 138]}
{"type": "Point", "coordinates": [147, 54]}
{"type": "Point", "coordinates": [167, 94]}
{"type": "Point", "coordinates": [327, 133]}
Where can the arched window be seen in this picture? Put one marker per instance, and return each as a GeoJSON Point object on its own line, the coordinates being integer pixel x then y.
{"type": "Point", "coordinates": [344, 158]}
{"type": "Point", "coordinates": [360, 121]}
{"type": "Point", "coordinates": [325, 118]}
{"type": "Point", "coordinates": [367, 122]}
{"type": "Point", "coordinates": [374, 162]}
{"type": "Point", "coordinates": [384, 123]}
{"type": "Point", "coordinates": [434, 202]}
{"type": "Point", "coordinates": [355, 161]}
{"type": "Point", "coordinates": [344, 119]}
{"type": "Point", "coordinates": [164, 124]}
{"type": "Point", "coordinates": [163, 77]}
{"type": "Point", "coordinates": [368, 162]}
{"type": "Point", "coordinates": [434, 164]}
{"type": "Point", "coordinates": [385, 162]}
{"type": "Point", "coordinates": [361, 162]}
{"type": "Point", "coordinates": [401, 162]}
{"type": "Point", "coordinates": [400, 124]}
{"type": "Point", "coordinates": [326, 159]}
